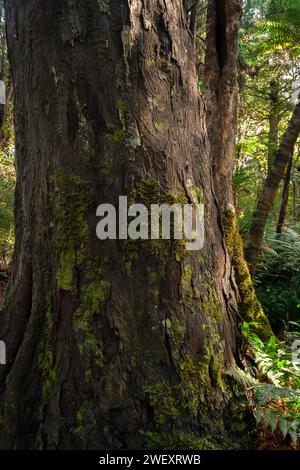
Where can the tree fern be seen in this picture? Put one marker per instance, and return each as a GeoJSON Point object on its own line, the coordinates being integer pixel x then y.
{"type": "Point", "coordinates": [281, 28]}
{"type": "Point", "coordinates": [286, 12]}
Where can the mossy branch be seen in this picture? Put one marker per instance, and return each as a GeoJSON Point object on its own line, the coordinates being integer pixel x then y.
{"type": "Point", "coordinates": [250, 308]}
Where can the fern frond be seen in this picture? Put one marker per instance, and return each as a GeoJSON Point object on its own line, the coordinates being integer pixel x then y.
{"type": "Point", "coordinates": [278, 35]}
{"type": "Point", "coordinates": [265, 393]}
{"type": "Point", "coordinates": [242, 378]}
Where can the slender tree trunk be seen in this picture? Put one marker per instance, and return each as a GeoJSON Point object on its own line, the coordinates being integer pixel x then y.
{"type": "Point", "coordinates": [270, 188]}
{"type": "Point", "coordinates": [294, 200]}
{"type": "Point", "coordinates": [111, 344]}
{"type": "Point", "coordinates": [285, 196]}
{"type": "Point", "coordinates": [273, 123]}
{"type": "Point", "coordinates": [295, 187]}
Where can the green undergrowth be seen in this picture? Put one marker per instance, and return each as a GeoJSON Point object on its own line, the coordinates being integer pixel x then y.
{"type": "Point", "coordinates": [273, 392]}
{"type": "Point", "coordinates": [277, 278]}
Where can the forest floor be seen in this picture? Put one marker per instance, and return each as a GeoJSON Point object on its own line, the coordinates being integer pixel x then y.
{"type": "Point", "coordinates": [266, 440]}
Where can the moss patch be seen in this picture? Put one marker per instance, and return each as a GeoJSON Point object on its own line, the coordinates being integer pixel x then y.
{"type": "Point", "coordinates": [64, 274]}
{"type": "Point", "coordinates": [173, 402]}
{"type": "Point", "coordinates": [45, 359]}
{"type": "Point", "coordinates": [93, 294]}
{"type": "Point", "coordinates": [117, 136]}
{"type": "Point", "coordinates": [250, 307]}
{"type": "Point", "coordinates": [163, 402]}
{"type": "Point", "coordinates": [70, 218]}
{"type": "Point", "coordinates": [211, 306]}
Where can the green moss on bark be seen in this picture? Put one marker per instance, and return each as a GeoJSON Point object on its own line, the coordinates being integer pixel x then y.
{"type": "Point", "coordinates": [250, 307]}
{"type": "Point", "coordinates": [45, 357]}
{"type": "Point", "coordinates": [64, 274]}
{"type": "Point", "coordinates": [163, 401]}
{"type": "Point", "coordinates": [93, 294]}
{"type": "Point", "coordinates": [70, 214]}
{"type": "Point", "coordinates": [117, 136]}
{"type": "Point", "coordinates": [212, 306]}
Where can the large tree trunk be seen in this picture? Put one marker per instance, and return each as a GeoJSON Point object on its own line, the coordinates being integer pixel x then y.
{"type": "Point", "coordinates": [270, 188]}
{"type": "Point", "coordinates": [108, 339]}
{"type": "Point", "coordinates": [221, 77]}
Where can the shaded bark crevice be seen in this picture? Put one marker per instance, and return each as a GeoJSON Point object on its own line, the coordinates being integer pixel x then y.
{"type": "Point", "coordinates": [221, 34]}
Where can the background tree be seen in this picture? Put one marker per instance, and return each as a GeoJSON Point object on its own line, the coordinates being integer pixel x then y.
{"type": "Point", "coordinates": [285, 196]}
{"type": "Point", "coordinates": [268, 75]}
{"type": "Point", "coordinates": [270, 188]}
{"type": "Point", "coordinates": [289, 15]}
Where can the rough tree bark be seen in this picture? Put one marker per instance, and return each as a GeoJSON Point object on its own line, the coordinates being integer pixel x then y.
{"type": "Point", "coordinates": [285, 197]}
{"type": "Point", "coordinates": [273, 122]}
{"type": "Point", "coordinates": [294, 196]}
{"type": "Point", "coordinates": [109, 342]}
{"type": "Point", "coordinates": [270, 188]}
{"type": "Point", "coordinates": [221, 78]}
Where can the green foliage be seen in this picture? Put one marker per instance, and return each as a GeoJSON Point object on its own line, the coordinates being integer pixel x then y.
{"type": "Point", "coordinates": [280, 36]}
{"type": "Point", "coordinates": [269, 72]}
{"type": "Point", "coordinates": [7, 185]}
{"type": "Point", "coordinates": [244, 185]}
{"type": "Point", "coordinates": [281, 25]}
{"type": "Point", "coordinates": [284, 22]}
{"type": "Point", "coordinates": [274, 395]}
{"type": "Point", "coordinates": [241, 377]}
{"type": "Point", "coordinates": [253, 11]}
{"type": "Point", "coordinates": [278, 279]}
{"type": "Point", "coordinates": [7, 170]}
{"type": "Point", "coordinates": [273, 360]}
{"type": "Point", "coordinates": [266, 393]}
